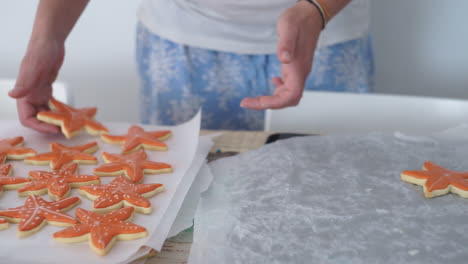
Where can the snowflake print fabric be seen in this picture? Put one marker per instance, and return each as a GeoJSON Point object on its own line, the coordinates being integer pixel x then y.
{"type": "Point", "coordinates": [176, 80]}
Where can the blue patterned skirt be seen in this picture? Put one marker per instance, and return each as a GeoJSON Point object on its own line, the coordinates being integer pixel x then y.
{"type": "Point", "coordinates": [176, 80]}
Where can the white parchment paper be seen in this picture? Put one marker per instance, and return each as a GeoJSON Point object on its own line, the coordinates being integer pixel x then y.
{"type": "Point", "coordinates": [186, 213]}
{"type": "Point", "coordinates": [182, 208]}
{"type": "Point", "coordinates": [180, 217]}
{"type": "Point", "coordinates": [333, 199]}
{"type": "Point", "coordinates": [41, 248]}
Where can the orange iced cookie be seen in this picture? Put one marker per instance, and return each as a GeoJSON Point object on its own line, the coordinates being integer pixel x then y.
{"type": "Point", "coordinates": [36, 212]}
{"type": "Point", "coordinates": [61, 155]}
{"type": "Point", "coordinates": [57, 184]}
{"type": "Point", "coordinates": [6, 169]}
{"type": "Point", "coordinates": [138, 138]}
{"type": "Point", "coordinates": [102, 231]}
{"type": "Point", "coordinates": [437, 180]}
{"type": "Point", "coordinates": [121, 192]}
{"type": "Point", "coordinates": [11, 149]}
{"type": "Point", "coordinates": [10, 183]}
{"type": "Point", "coordinates": [72, 120]}
{"type": "Point", "coordinates": [134, 165]}
{"type": "Point", "coordinates": [3, 224]}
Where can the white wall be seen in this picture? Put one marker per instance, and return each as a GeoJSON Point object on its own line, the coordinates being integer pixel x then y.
{"type": "Point", "coordinates": [420, 49]}
{"type": "Point", "coordinates": [99, 61]}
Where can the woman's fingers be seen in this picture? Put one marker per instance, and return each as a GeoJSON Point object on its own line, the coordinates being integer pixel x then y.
{"type": "Point", "coordinates": [27, 116]}
{"type": "Point", "coordinates": [286, 94]}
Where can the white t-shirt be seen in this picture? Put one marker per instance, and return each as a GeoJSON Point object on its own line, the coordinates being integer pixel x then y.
{"type": "Point", "coordinates": [240, 26]}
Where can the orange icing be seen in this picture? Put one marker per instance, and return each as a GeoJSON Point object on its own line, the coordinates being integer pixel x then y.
{"type": "Point", "coordinates": [102, 228]}
{"type": "Point", "coordinates": [118, 190]}
{"type": "Point", "coordinates": [438, 178]}
{"type": "Point", "coordinates": [6, 180]}
{"type": "Point", "coordinates": [5, 169]}
{"type": "Point", "coordinates": [137, 138]}
{"type": "Point", "coordinates": [73, 119]}
{"type": "Point", "coordinates": [11, 146]}
{"type": "Point", "coordinates": [37, 210]}
{"type": "Point", "coordinates": [132, 164]}
{"type": "Point", "coordinates": [61, 155]}
{"type": "Point", "coordinates": [58, 183]}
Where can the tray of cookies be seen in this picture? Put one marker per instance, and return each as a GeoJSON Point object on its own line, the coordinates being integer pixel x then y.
{"type": "Point", "coordinates": [94, 197]}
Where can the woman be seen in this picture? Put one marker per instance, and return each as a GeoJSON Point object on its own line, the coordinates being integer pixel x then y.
{"type": "Point", "coordinates": [218, 54]}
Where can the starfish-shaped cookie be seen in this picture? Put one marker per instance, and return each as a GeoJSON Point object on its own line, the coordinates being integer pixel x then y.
{"type": "Point", "coordinates": [57, 184]}
{"type": "Point", "coordinates": [138, 138]}
{"type": "Point", "coordinates": [10, 183]}
{"type": "Point", "coordinates": [102, 230]}
{"type": "Point", "coordinates": [121, 192]}
{"type": "Point", "coordinates": [6, 169]}
{"type": "Point", "coordinates": [11, 149]}
{"type": "Point", "coordinates": [3, 224]}
{"type": "Point", "coordinates": [72, 120]}
{"type": "Point", "coordinates": [61, 155]}
{"type": "Point", "coordinates": [36, 212]}
{"type": "Point", "coordinates": [134, 165]}
{"type": "Point", "coordinates": [437, 180]}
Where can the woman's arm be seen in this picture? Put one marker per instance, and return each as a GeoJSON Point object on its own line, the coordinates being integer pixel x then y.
{"type": "Point", "coordinates": [43, 59]}
{"type": "Point", "coordinates": [299, 28]}
{"type": "Point", "coordinates": [56, 18]}
{"type": "Point", "coordinates": [304, 12]}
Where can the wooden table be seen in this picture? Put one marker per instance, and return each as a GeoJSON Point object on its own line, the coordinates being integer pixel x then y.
{"type": "Point", "coordinates": [176, 250]}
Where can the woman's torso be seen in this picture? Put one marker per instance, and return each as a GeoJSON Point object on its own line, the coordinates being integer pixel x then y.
{"type": "Point", "coordinates": [240, 26]}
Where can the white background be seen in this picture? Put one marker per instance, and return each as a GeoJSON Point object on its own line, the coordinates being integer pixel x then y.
{"type": "Point", "coordinates": [419, 49]}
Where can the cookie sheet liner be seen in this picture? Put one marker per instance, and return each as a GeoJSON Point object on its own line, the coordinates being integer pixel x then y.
{"type": "Point", "coordinates": [333, 199]}
{"type": "Point", "coordinates": [41, 248]}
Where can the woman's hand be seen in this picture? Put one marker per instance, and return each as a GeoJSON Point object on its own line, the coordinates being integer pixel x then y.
{"type": "Point", "coordinates": [298, 29]}
{"type": "Point", "coordinates": [44, 57]}
{"type": "Point", "coordinates": [33, 87]}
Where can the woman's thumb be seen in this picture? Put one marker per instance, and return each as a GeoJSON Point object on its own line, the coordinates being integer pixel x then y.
{"type": "Point", "coordinates": [24, 84]}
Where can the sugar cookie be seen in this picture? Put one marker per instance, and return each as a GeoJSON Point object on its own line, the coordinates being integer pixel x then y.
{"type": "Point", "coordinates": [36, 212]}
{"type": "Point", "coordinates": [61, 155]}
{"type": "Point", "coordinates": [437, 180]}
{"type": "Point", "coordinates": [137, 138]}
{"type": "Point", "coordinates": [102, 231]}
{"type": "Point", "coordinates": [119, 193]}
{"type": "Point", "coordinates": [57, 184]}
{"type": "Point", "coordinates": [10, 183]}
{"type": "Point", "coordinates": [11, 149]}
{"type": "Point", "coordinates": [3, 224]}
{"type": "Point", "coordinates": [134, 165]}
{"type": "Point", "coordinates": [72, 120]}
